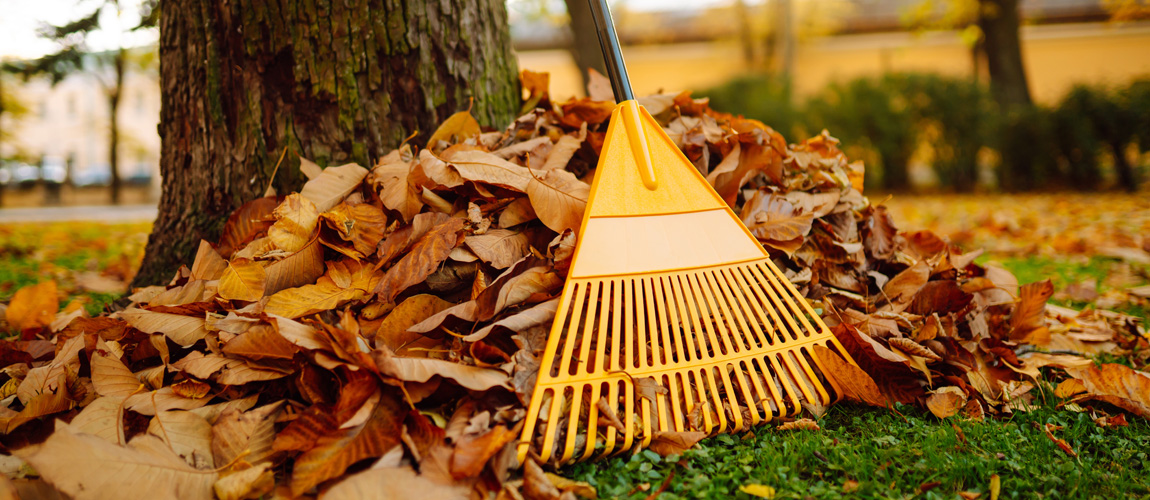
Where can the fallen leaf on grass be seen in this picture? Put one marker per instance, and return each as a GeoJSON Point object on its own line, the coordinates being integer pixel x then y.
{"type": "Point", "coordinates": [667, 443]}
{"type": "Point", "coordinates": [946, 401]}
{"type": "Point", "coordinates": [33, 306]}
{"type": "Point", "coordinates": [856, 384]}
{"type": "Point", "coordinates": [758, 490]}
{"type": "Point", "coordinates": [1118, 385]}
{"type": "Point", "coordinates": [1061, 443]}
{"type": "Point", "coordinates": [802, 424]}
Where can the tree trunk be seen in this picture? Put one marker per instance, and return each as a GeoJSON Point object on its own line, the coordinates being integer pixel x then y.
{"type": "Point", "coordinates": [785, 26]}
{"type": "Point", "coordinates": [334, 81]}
{"type": "Point", "coordinates": [999, 21]}
{"type": "Point", "coordinates": [746, 37]}
{"type": "Point", "coordinates": [584, 40]}
{"type": "Point", "coordinates": [1127, 177]}
{"type": "Point", "coordinates": [114, 94]}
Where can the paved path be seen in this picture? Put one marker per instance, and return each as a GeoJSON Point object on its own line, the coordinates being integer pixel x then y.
{"type": "Point", "coordinates": [100, 213]}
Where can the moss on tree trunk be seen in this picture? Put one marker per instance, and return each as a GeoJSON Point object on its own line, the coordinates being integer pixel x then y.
{"type": "Point", "coordinates": [333, 80]}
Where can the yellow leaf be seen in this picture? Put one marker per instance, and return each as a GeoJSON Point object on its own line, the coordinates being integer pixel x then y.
{"type": "Point", "coordinates": [333, 185]}
{"type": "Point", "coordinates": [243, 280]}
{"type": "Point", "coordinates": [758, 490]}
{"type": "Point", "coordinates": [392, 176]}
{"type": "Point", "coordinates": [33, 306]}
{"type": "Point", "coordinates": [393, 330]}
{"type": "Point", "coordinates": [296, 221]}
{"type": "Point", "coordinates": [455, 129]}
{"type": "Point", "coordinates": [327, 293]}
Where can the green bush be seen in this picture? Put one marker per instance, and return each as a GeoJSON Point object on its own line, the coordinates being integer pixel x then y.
{"type": "Point", "coordinates": [964, 116]}
{"type": "Point", "coordinates": [761, 97]}
{"type": "Point", "coordinates": [1026, 144]}
{"type": "Point", "coordinates": [874, 114]}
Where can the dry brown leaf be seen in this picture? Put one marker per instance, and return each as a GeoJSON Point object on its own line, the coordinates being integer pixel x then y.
{"type": "Point", "coordinates": [913, 348]}
{"type": "Point", "coordinates": [392, 175]}
{"type": "Point", "coordinates": [902, 288]}
{"type": "Point", "coordinates": [208, 265]}
{"type": "Point", "coordinates": [245, 434]}
{"type": "Point", "coordinates": [499, 247]}
{"type": "Point", "coordinates": [472, 452]}
{"type": "Point", "coordinates": [109, 375]}
{"type": "Point", "coordinates": [361, 224]}
{"type": "Point", "coordinates": [423, 369]}
{"type": "Point", "coordinates": [187, 434]}
{"type": "Point", "coordinates": [393, 484]}
{"type": "Point", "coordinates": [487, 168]}
{"type": "Point", "coordinates": [674, 443]}
{"type": "Point", "coordinates": [333, 185]}
{"type": "Point", "coordinates": [946, 401]}
{"type": "Point", "coordinates": [1028, 323]}
{"type": "Point", "coordinates": [331, 454]}
{"type": "Point", "coordinates": [540, 314]}
{"type": "Point", "coordinates": [46, 378]}
{"type": "Point", "coordinates": [392, 331]}
{"type": "Point", "coordinates": [251, 483]}
{"type": "Point", "coordinates": [247, 222]}
{"type": "Point", "coordinates": [259, 342]}
{"type": "Point", "coordinates": [517, 212]}
{"type": "Point", "coordinates": [802, 424]}
{"type": "Point", "coordinates": [298, 269]}
{"type": "Point", "coordinates": [33, 306]}
{"type": "Point", "coordinates": [856, 384]}
{"type": "Point", "coordinates": [243, 280]}
{"type": "Point", "coordinates": [558, 199]}
{"type": "Point", "coordinates": [772, 217]}
{"type": "Point", "coordinates": [423, 259]}
{"type": "Point", "coordinates": [149, 403]}
{"type": "Point", "coordinates": [1061, 443]}
{"type": "Point", "coordinates": [102, 418]}
{"type": "Point", "coordinates": [183, 330]}
{"type": "Point", "coordinates": [87, 467]}
{"type": "Point", "coordinates": [1118, 385]}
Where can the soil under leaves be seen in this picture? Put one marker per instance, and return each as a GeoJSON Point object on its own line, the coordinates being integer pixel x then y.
{"type": "Point", "coordinates": [383, 326]}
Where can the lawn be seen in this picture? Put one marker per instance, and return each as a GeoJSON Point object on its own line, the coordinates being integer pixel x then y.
{"type": "Point", "coordinates": [858, 452]}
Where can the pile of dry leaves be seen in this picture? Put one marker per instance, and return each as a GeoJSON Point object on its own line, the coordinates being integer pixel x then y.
{"type": "Point", "coordinates": [382, 326]}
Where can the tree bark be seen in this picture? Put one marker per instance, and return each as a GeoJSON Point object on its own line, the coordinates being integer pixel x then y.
{"type": "Point", "coordinates": [999, 22]}
{"type": "Point", "coordinates": [335, 81]}
{"type": "Point", "coordinates": [114, 93]}
{"type": "Point", "coordinates": [584, 41]}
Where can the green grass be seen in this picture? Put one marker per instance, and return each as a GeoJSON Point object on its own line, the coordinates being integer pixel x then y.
{"type": "Point", "coordinates": [1077, 269]}
{"type": "Point", "coordinates": [892, 456]}
{"type": "Point", "coordinates": [33, 253]}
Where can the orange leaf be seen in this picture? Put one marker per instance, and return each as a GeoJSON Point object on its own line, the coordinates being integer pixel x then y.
{"type": "Point", "coordinates": [33, 306]}
{"type": "Point", "coordinates": [247, 222]}
{"type": "Point", "coordinates": [423, 259]}
{"type": "Point", "coordinates": [455, 129]}
{"type": "Point", "coordinates": [361, 224]}
{"type": "Point", "coordinates": [1028, 323]}
{"type": "Point", "coordinates": [472, 452]}
{"type": "Point", "coordinates": [674, 443]}
{"type": "Point", "coordinates": [334, 452]}
{"type": "Point", "coordinates": [946, 401]}
{"type": "Point", "coordinates": [855, 383]}
{"type": "Point", "coordinates": [1118, 385]}
{"type": "Point", "coordinates": [243, 280]}
{"type": "Point", "coordinates": [296, 221]}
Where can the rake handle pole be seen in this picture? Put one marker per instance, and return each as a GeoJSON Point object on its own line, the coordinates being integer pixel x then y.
{"type": "Point", "coordinates": [609, 42]}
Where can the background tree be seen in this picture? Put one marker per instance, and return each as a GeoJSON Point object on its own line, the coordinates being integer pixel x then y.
{"type": "Point", "coordinates": [336, 82]}
{"type": "Point", "coordinates": [107, 66]}
{"type": "Point", "coordinates": [11, 109]}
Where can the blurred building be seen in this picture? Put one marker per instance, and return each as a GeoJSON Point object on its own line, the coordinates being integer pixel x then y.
{"type": "Point", "coordinates": [66, 129]}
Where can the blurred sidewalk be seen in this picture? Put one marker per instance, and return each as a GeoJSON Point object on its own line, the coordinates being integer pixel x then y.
{"type": "Point", "coordinates": [94, 213]}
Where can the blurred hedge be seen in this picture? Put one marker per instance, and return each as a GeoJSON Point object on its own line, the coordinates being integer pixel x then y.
{"type": "Point", "coordinates": [1079, 143]}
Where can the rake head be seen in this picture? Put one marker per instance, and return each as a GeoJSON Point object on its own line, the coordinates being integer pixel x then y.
{"type": "Point", "coordinates": [673, 317]}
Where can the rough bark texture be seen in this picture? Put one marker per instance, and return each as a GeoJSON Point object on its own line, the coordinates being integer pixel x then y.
{"type": "Point", "coordinates": [999, 22]}
{"type": "Point", "coordinates": [335, 81]}
{"type": "Point", "coordinates": [584, 40]}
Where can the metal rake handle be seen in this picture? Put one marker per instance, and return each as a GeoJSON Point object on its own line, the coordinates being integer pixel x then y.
{"type": "Point", "coordinates": [609, 42]}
